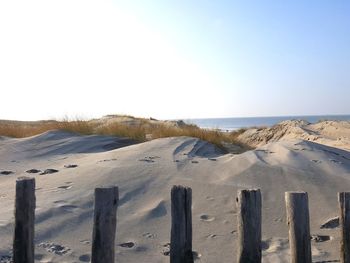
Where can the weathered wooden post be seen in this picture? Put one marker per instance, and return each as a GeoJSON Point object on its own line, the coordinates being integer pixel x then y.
{"type": "Point", "coordinates": [181, 225]}
{"type": "Point", "coordinates": [344, 222]}
{"type": "Point", "coordinates": [297, 206]}
{"type": "Point", "coordinates": [105, 223]}
{"type": "Point", "coordinates": [23, 242]}
{"type": "Point", "coordinates": [249, 226]}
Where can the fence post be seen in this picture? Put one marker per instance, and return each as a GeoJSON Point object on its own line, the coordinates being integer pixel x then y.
{"type": "Point", "coordinates": [249, 226]}
{"type": "Point", "coordinates": [181, 225]}
{"type": "Point", "coordinates": [344, 221]}
{"type": "Point", "coordinates": [105, 222]}
{"type": "Point", "coordinates": [23, 242]}
{"type": "Point", "coordinates": [299, 226]}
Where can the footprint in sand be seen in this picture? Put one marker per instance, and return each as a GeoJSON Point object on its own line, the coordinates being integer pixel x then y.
{"type": "Point", "coordinates": [149, 235]}
{"type": "Point", "coordinates": [127, 245]}
{"type": "Point", "coordinates": [212, 159]}
{"type": "Point", "coordinates": [335, 161]}
{"type": "Point", "coordinates": [147, 160]}
{"type": "Point", "coordinates": [212, 236]}
{"type": "Point", "coordinates": [321, 238]}
{"type": "Point", "coordinates": [316, 161]}
{"type": "Point", "coordinates": [166, 252]}
{"type": "Point", "coordinates": [153, 157]}
{"type": "Point", "coordinates": [85, 242]}
{"type": "Point", "coordinates": [49, 171]}
{"type": "Point", "coordinates": [85, 258]}
{"type": "Point", "coordinates": [194, 162]}
{"type": "Point", "coordinates": [62, 204]}
{"type": "Point", "coordinates": [70, 166]}
{"type": "Point", "coordinates": [65, 187]}
{"type": "Point", "coordinates": [33, 171]}
{"type": "Point", "coordinates": [264, 151]}
{"type": "Point", "coordinates": [207, 218]}
{"type": "Point", "coordinates": [210, 198]}
{"type": "Point", "coordinates": [108, 160]}
{"type": "Point", "coordinates": [69, 208]}
{"type": "Point", "coordinates": [54, 248]}
{"type": "Point", "coordinates": [6, 172]}
{"type": "Point", "coordinates": [331, 223]}
{"type": "Point", "coordinates": [68, 185]}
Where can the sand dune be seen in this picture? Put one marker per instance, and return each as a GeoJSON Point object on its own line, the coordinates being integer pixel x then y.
{"type": "Point", "coordinates": [332, 133]}
{"type": "Point", "coordinates": [146, 172]}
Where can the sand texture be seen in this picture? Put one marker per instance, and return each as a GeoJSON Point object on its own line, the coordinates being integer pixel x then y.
{"type": "Point", "coordinates": [67, 167]}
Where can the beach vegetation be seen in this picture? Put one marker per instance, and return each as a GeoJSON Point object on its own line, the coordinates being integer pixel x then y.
{"type": "Point", "coordinates": [138, 129]}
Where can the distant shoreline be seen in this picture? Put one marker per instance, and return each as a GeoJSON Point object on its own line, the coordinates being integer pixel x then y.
{"type": "Point", "coordinates": [231, 124]}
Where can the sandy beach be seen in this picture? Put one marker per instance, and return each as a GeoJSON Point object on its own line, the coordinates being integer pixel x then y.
{"type": "Point", "coordinates": [68, 167]}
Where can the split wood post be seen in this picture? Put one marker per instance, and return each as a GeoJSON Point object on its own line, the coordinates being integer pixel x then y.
{"type": "Point", "coordinates": [105, 223]}
{"type": "Point", "coordinates": [297, 206]}
{"type": "Point", "coordinates": [181, 225]}
{"type": "Point", "coordinates": [23, 242]}
{"type": "Point", "coordinates": [249, 226]}
{"type": "Point", "coordinates": [344, 221]}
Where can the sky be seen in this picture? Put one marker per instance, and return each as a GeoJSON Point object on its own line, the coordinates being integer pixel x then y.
{"type": "Point", "coordinates": [174, 59]}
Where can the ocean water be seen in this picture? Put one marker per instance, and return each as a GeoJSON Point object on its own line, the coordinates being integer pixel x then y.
{"type": "Point", "coordinates": [229, 124]}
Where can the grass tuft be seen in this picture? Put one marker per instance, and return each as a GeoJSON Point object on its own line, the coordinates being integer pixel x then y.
{"type": "Point", "coordinates": [138, 129]}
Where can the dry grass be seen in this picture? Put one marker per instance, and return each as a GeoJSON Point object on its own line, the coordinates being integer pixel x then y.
{"type": "Point", "coordinates": [141, 130]}
{"type": "Point", "coordinates": [215, 137]}
{"type": "Point", "coordinates": [25, 129]}
{"type": "Point", "coordinates": [136, 132]}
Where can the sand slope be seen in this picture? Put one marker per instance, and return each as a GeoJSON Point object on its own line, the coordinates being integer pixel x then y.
{"type": "Point", "coordinates": [145, 174]}
{"type": "Point", "coordinates": [332, 133]}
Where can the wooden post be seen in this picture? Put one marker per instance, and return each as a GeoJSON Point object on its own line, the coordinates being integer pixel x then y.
{"type": "Point", "coordinates": [105, 222]}
{"type": "Point", "coordinates": [23, 242]}
{"type": "Point", "coordinates": [299, 227]}
{"type": "Point", "coordinates": [344, 222]}
{"type": "Point", "coordinates": [181, 225]}
{"type": "Point", "coordinates": [249, 226]}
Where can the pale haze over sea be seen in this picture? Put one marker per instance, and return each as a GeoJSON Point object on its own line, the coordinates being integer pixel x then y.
{"type": "Point", "coordinates": [237, 123]}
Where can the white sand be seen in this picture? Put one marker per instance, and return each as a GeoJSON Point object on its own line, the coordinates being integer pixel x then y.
{"type": "Point", "coordinates": [145, 174]}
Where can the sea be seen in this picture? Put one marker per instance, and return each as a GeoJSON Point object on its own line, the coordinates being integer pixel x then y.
{"type": "Point", "coordinates": [230, 124]}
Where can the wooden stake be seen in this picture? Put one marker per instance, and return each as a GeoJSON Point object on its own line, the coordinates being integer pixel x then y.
{"type": "Point", "coordinates": [344, 221]}
{"type": "Point", "coordinates": [23, 243]}
{"type": "Point", "coordinates": [181, 225]}
{"type": "Point", "coordinates": [105, 222]}
{"type": "Point", "coordinates": [299, 227]}
{"type": "Point", "coordinates": [249, 226]}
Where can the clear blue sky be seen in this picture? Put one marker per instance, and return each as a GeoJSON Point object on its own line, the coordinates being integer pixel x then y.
{"type": "Point", "coordinates": [175, 59]}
